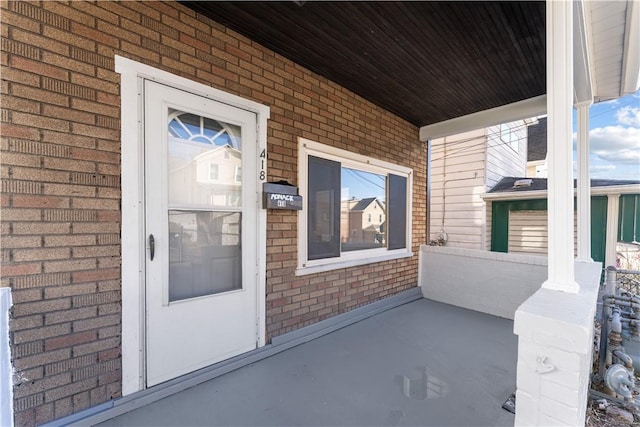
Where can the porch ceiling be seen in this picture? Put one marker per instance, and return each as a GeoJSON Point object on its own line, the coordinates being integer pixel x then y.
{"type": "Point", "coordinates": [427, 62]}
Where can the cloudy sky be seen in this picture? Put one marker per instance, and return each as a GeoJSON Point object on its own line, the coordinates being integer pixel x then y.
{"type": "Point", "coordinates": [614, 138]}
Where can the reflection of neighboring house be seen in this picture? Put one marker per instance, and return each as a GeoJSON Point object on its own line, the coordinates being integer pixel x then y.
{"type": "Point", "coordinates": [211, 178]}
{"type": "Point", "coordinates": [362, 221]}
{"type": "Point", "coordinates": [519, 217]}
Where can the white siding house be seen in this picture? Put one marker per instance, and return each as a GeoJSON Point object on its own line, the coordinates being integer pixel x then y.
{"type": "Point", "coordinates": [463, 167]}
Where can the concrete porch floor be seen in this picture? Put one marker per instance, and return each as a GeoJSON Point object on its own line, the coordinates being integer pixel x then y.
{"type": "Point", "coordinates": [421, 364]}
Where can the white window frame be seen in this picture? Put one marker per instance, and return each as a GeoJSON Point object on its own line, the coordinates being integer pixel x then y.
{"type": "Point", "coordinates": [509, 137]}
{"type": "Point", "coordinates": [347, 159]}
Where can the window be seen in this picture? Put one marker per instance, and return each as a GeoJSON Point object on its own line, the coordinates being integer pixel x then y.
{"type": "Point", "coordinates": [343, 195]}
{"type": "Point", "coordinates": [238, 174]}
{"type": "Point", "coordinates": [213, 171]}
{"type": "Point", "coordinates": [509, 137]}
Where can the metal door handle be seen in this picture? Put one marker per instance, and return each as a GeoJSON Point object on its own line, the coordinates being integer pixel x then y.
{"type": "Point", "coordinates": [152, 246]}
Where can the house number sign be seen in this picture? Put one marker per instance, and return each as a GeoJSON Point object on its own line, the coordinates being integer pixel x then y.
{"type": "Point", "coordinates": [281, 196]}
{"type": "Point", "coordinates": [262, 172]}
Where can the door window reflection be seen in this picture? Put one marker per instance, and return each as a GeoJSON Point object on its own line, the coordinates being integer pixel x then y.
{"type": "Point", "coordinates": [204, 253]}
{"type": "Point", "coordinates": [204, 162]}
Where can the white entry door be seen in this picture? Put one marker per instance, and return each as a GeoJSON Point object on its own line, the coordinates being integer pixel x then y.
{"type": "Point", "coordinates": [201, 221]}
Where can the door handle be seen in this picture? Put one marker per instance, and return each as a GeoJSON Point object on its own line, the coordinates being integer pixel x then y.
{"type": "Point", "coordinates": [152, 246]}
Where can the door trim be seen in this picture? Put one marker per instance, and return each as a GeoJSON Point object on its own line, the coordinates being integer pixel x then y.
{"type": "Point", "coordinates": [133, 243]}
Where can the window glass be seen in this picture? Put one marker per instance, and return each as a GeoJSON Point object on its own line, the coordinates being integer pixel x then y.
{"type": "Point", "coordinates": [213, 171]}
{"type": "Point", "coordinates": [204, 161]}
{"type": "Point", "coordinates": [204, 253]}
{"type": "Point", "coordinates": [509, 137]}
{"type": "Point", "coordinates": [363, 194]}
{"type": "Point", "coordinates": [357, 209]}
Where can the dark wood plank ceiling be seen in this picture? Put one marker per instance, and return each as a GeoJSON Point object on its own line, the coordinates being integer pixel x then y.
{"type": "Point", "coordinates": [424, 61]}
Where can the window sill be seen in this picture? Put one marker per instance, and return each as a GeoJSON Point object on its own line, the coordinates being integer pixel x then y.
{"type": "Point", "coordinates": [335, 265]}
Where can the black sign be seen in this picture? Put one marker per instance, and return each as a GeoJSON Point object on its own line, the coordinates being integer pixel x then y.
{"type": "Point", "coordinates": [283, 201]}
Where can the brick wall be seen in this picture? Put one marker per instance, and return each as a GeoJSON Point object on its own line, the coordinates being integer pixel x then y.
{"type": "Point", "coordinates": [61, 182]}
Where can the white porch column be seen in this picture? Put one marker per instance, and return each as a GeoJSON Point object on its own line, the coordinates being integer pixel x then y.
{"type": "Point", "coordinates": [611, 240]}
{"type": "Point", "coordinates": [559, 151]}
{"type": "Point", "coordinates": [555, 325]}
{"type": "Point", "coordinates": [584, 185]}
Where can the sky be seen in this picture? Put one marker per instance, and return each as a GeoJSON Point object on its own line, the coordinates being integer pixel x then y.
{"type": "Point", "coordinates": [614, 138]}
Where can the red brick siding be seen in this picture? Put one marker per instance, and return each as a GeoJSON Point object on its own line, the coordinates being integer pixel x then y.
{"type": "Point", "coordinates": [61, 182]}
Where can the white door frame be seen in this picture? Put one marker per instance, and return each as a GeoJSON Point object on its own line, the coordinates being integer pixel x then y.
{"type": "Point", "coordinates": [132, 74]}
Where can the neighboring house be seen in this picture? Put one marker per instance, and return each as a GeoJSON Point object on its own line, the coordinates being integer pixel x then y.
{"type": "Point", "coordinates": [465, 166]}
{"type": "Point", "coordinates": [362, 223]}
{"type": "Point", "coordinates": [518, 223]}
{"type": "Point", "coordinates": [537, 149]}
{"type": "Point", "coordinates": [480, 198]}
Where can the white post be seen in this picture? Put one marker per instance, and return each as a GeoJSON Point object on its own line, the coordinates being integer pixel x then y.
{"type": "Point", "coordinates": [6, 368]}
{"type": "Point", "coordinates": [584, 184]}
{"type": "Point", "coordinates": [611, 240]}
{"type": "Point", "coordinates": [560, 183]}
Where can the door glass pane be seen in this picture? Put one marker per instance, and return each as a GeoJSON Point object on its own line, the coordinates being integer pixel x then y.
{"type": "Point", "coordinates": [204, 253]}
{"type": "Point", "coordinates": [204, 162]}
{"type": "Point", "coordinates": [363, 216]}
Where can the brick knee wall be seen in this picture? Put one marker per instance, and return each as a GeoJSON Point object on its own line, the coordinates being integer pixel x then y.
{"type": "Point", "coordinates": [61, 182]}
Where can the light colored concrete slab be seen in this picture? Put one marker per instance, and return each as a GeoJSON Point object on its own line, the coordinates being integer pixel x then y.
{"type": "Point", "coordinates": [422, 364]}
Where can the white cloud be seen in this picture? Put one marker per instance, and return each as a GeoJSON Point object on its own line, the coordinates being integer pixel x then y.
{"type": "Point", "coordinates": [598, 171]}
{"type": "Point", "coordinates": [628, 116]}
{"type": "Point", "coordinates": [616, 144]}
{"type": "Point", "coordinates": [601, 168]}
{"type": "Point", "coordinates": [630, 157]}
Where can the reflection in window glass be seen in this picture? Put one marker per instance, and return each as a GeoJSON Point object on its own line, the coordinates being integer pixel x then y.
{"type": "Point", "coordinates": [204, 162]}
{"type": "Point", "coordinates": [213, 172]}
{"type": "Point", "coordinates": [200, 129]}
{"type": "Point", "coordinates": [204, 253]}
{"type": "Point", "coordinates": [362, 210]}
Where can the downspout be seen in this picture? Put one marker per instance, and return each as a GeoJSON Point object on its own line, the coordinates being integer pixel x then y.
{"type": "Point", "coordinates": [444, 181]}
{"type": "Point", "coordinates": [428, 204]}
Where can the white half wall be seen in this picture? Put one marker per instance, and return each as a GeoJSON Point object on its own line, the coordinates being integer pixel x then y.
{"type": "Point", "coordinates": [555, 344]}
{"type": "Point", "coordinates": [495, 283]}
{"type": "Point", "coordinates": [6, 385]}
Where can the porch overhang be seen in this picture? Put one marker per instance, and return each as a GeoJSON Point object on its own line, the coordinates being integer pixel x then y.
{"type": "Point", "coordinates": [445, 66]}
{"type": "Point", "coordinates": [524, 109]}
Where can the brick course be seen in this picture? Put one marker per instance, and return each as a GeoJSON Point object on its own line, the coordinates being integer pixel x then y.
{"type": "Point", "coordinates": [61, 181]}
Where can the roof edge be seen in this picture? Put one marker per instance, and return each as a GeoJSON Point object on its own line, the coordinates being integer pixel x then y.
{"type": "Point", "coordinates": [542, 194]}
{"type": "Point", "coordinates": [504, 114]}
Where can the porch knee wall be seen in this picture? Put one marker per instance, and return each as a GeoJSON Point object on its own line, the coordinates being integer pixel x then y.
{"type": "Point", "coordinates": [61, 192]}
{"type": "Point", "coordinates": [555, 352]}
